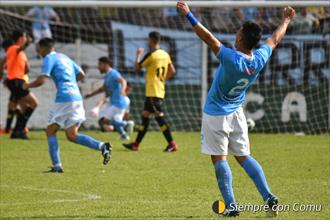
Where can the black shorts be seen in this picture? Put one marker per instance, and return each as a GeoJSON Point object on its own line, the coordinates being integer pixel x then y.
{"type": "Point", "coordinates": [153, 104]}
{"type": "Point", "coordinates": [11, 98]}
{"type": "Point", "coordinates": [16, 89]}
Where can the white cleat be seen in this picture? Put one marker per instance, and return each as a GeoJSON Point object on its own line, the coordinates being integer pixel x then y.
{"type": "Point", "coordinates": [125, 138]}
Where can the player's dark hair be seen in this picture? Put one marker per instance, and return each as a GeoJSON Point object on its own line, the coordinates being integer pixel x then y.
{"type": "Point", "coordinates": [128, 84]}
{"type": "Point", "coordinates": [17, 34]}
{"type": "Point", "coordinates": [46, 43]}
{"type": "Point", "coordinates": [252, 33]}
{"type": "Point", "coordinates": [7, 43]}
{"type": "Point", "coordinates": [105, 60]}
{"type": "Point", "coordinates": [154, 35]}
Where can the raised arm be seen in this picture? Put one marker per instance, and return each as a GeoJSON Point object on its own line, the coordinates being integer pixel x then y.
{"type": "Point", "coordinates": [204, 34]}
{"type": "Point", "coordinates": [137, 59]}
{"type": "Point", "coordinates": [288, 14]}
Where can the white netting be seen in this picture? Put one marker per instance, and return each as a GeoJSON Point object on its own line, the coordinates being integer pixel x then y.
{"type": "Point", "coordinates": [292, 94]}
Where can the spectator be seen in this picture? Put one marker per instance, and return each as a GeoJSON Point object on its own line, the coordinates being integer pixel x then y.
{"type": "Point", "coordinates": [237, 18]}
{"type": "Point", "coordinates": [41, 18]}
{"type": "Point", "coordinates": [323, 16]}
{"type": "Point", "coordinates": [217, 23]}
{"type": "Point", "coordinates": [263, 19]}
{"type": "Point", "coordinates": [304, 22]}
{"type": "Point", "coordinates": [250, 13]}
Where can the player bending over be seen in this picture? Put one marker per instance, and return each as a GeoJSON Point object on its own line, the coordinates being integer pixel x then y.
{"type": "Point", "coordinates": [115, 85]}
{"type": "Point", "coordinates": [101, 109]}
{"type": "Point", "coordinates": [159, 69]}
{"type": "Point", "coordinates": [224, 128]}
{"type": "Point", "coordinates": [68, 111]}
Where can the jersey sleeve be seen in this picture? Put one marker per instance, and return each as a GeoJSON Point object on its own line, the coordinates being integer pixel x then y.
{"type": "Point", "coordinates": [47, 66]}
{"type": "Point", "coordinates": [263, 53]}
{"type": "Point", "coordinates": [76, 68]}
{"type": "Point", "coordinates": [115, 75]}
{"type": "Point", "coordinates": [31, 12]}
{"type": "Point", "coordinates": [225, 55]}
{"type": "Point", "coordinates": [52, 12]}
{"type": "Point", "coordinates": [146, 60]}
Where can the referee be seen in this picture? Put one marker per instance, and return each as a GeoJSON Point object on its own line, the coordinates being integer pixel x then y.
{"type": "Point", "coordinates": [17, 70]}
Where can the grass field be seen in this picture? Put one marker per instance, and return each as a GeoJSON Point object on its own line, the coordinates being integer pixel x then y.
{"type": "Point", "coordinates": [151, 184]}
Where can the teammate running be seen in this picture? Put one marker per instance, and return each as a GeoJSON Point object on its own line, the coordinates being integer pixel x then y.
{"type": "Point", "coordinates": [68, 111]}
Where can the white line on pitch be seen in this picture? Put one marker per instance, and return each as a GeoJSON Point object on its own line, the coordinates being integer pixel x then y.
{"type": "Point", "coordinates": [86, 196]}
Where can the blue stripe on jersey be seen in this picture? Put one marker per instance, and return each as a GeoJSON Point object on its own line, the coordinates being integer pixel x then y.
{"type": "Point", "coordinates": [233, 77]}
{"type": "Point", "coordinates": [114, 89]}
{"type": "Point", "coordinates": [63, 71]}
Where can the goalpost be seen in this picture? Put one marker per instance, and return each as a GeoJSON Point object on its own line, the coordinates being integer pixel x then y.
{"type": "Point", "coordinates": [291, 95]}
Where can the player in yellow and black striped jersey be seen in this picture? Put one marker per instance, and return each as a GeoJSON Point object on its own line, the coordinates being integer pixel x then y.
{"type": "Point", "coordinates": [159, 68]}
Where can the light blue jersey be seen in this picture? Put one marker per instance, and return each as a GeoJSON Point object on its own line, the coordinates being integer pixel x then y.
{"type": "Point", "coordinates": [41, 17]}
{"type": "Point", "coordinates": [63, 71]}
{"type": "Point", "coordinates": [114, 89]}
{"type": "Point", "coordinates": [233, 77]}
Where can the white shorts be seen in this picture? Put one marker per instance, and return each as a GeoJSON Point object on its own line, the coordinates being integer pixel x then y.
{"type": "Point", "coordinates": [67, 114]}
{"type": "Point", "coordinates": [111, 112]}
{"type": "Point", "coordinates": [39, 34]}
{"type": "Point", "coordinates": [225, 134]}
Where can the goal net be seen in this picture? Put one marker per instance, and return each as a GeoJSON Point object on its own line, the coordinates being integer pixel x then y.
{"type": "Point", "coordinates": [291, 95]}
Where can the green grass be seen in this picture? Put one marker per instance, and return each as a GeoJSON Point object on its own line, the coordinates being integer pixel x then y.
{"type": "Point", "coordinates": [151, 184]}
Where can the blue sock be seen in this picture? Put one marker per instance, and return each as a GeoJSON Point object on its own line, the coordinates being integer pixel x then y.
{"type": "Point", "coordinates": [225, 178]}
{"type": "Point", "coordinates": [88, 141]}
{"type": "Point", "coordinates": [54, 150]}
{"type": "Point", "coordinates": [119, 125]}
{"type": "Point", "coordinates": [254, 170]}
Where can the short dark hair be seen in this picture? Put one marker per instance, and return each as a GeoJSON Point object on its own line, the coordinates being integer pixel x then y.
{"type": "Point", "coordinates": [7, 43]}
{"type": "Point", "coordinates": [252, 33]}
{"type": "Point", "coordinates": [129, 84]}
{"type": "Point", "coordinates": [105, 60]}
{"type": "Point", "coordinates": [17, 34]}
{"type": "Point", "coordinates": [154, 35]}
{"type": "Point", "coordinates": [46, 43]}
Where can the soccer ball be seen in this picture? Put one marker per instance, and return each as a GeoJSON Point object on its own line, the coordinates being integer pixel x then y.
{"type": "Point", "coordinates": [250, 123]}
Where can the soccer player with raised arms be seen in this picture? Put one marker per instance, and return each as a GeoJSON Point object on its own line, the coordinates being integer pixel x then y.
{"type": "Point", "coordinates": [224, 128]}
{"type": "Point", "coordinates": [159, 68]}
{"type": "Point", "coordinates": [68, 111]}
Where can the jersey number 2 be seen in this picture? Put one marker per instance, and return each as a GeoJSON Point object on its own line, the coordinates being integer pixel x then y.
{"type": "Point", "coordinates": [242, 84]}
{"type": "Point", "coordinates": [161, 73]}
